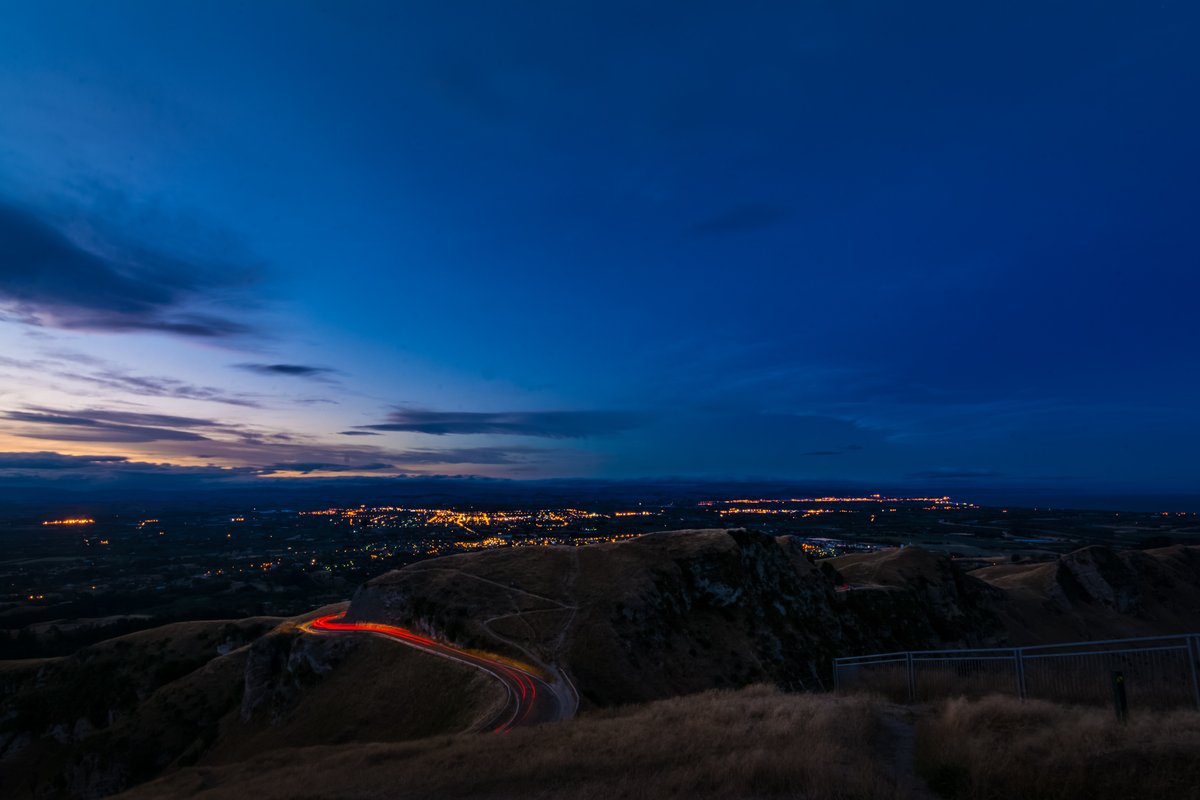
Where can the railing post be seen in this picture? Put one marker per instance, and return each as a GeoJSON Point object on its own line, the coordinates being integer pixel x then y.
{"type": "Point", "coordinates": [1193, 657]}
{"type": "Point", "coordinates": [912, 680]}
{"type": "Point", "coordinates": [1120, 702]}
{"type": "Point", "coordinates": [1147, 661]}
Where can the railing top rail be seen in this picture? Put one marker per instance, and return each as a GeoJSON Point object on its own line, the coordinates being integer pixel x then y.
{"type": "Point", "coordinates": [960, 657]}
{"type": "Point", "coordinates": [845, 659]}
{"type": "Point", "coordinates": [967, 652]}
{"type": "Point", "coordinates": [1168, 637]}
{"type": "Point", "coordinates": [1010, 652]}
{"type": "Point", "coordinates": [880, 662]}
{"type": "Point", "coordinates": [1117, 651]}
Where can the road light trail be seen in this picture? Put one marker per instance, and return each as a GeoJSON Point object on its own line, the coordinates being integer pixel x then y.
{"type": "Point", "coordinates": [531, 700]}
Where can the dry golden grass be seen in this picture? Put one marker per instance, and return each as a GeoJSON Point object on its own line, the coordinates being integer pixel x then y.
{"type": "Point", "coordinates": [380, 691]}
{"type": "Point", "coordinates": [754, 743]}
{"type": "Point", "coordinates": [999, 747]}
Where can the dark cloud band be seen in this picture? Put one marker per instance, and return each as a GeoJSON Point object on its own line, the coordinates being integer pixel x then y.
{"type": "Point", "coordinates": [95, 428]}
{"type": "Point", "coordinates": [288, 370]}
{"type": "Point", "coordinates": [546, 424]}
{"type": "Point", "coordinates": [50, 279]}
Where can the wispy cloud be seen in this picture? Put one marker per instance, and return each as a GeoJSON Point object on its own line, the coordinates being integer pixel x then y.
{"type": "Point", "coordinates": [154, 386]}
{"type": "Point", "coordinates": [92, 427]}
{"type": "Point", "coordinates": [470, 455]}
{"type": "Point", "coordinates": [46, 468]}
{"type": "Point", "coordinates": [308, 467]}
{"type": "Point", "coordinates": [263, 458]}
{"type": "Point", "coordinates": [188, 439]}
{"type": "Point", "coordinates": [546, 424]}
{"type": "Point", "coordinates": [103, 416]}
{"type": "Point", "coordinates": [73, 366]}
{"type": "Point", "coordinates": [289, 370]}
{"type": "Point", "coordinates": [89, 281]}
{"type": "Point", "coordinates": [84, 471]}
{"type": "Point", "coordinates": [45, 460]}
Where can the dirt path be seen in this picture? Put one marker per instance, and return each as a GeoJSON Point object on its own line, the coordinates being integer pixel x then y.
{"type": "Point", "coordinates": [511, 589]}
{"type": "Point", "coordinates": [901, 740]}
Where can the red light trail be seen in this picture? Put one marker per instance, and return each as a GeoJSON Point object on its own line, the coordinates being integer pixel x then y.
{"type": "Point", "coordinates": [531, 699]}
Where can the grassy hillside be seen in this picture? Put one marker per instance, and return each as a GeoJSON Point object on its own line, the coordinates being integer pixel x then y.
{"type": "Point", "coordinates": [372, 690]}
{"type": "Point", "coordinates": [1000, 748]}
{"type": "Point", "coordinates": [752, 743]}
{"type": "Point", "coordinates": [1100, 593]}
{"type": "Point", "coordinates": [906, 597]}
{"type": "Point", "coordinates": [1092, 593]}
{"type": "Point", "coordinates": [673, 612]}
{"type": "Point", "coordinates": [654, 616]}
{"type": "Point", "coordinates": [667, 614]}
{"type": "Point", "coordinates": [120, 712]}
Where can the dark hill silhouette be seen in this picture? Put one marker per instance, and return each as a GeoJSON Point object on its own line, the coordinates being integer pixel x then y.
{"type": "Point", "coordinates": [681, 611]}
{"type": "Point", "coordinates": [649, 618]}
{"type": "Point", "coordinates": [1100, 593]}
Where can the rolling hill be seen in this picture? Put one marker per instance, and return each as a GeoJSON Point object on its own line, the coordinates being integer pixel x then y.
{"type": "Point", "coordinates": [642, 620]}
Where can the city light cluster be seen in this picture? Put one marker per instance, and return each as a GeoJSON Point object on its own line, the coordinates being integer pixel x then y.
{"type": "Point", "coordinates": [804, 512]}
{"type": "Point", "coordinates": [482, 544]}
{"type": "Point", "coordinates": [776, 505]}
{"type": "Point", "coordinates": [873, 498]}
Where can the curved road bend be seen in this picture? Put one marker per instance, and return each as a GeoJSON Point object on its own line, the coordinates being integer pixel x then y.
{"type": "Point", "coordinates": [531, 700]}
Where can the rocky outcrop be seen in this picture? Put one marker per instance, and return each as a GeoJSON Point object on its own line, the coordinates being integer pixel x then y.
{"type": "Point", "coordinates": [1100, 593]}
{"type": "Point", "coordinates": [285, 662]}
{"type": "Point", "coordinates": [676, 612]}
{"type": "Point", "coordinates": [119, 711]}
{"type": "Point", "coordinates": [681, 611]}
{"type": "Point", "coordinates": [911, 598]}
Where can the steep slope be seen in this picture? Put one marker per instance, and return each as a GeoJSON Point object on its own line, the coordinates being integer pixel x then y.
{"type": "Point", "coordinates": [658, 615]}
{"type": "Point", "coordinates": [671, 613]}
{"type": "Point", "coordinates": [653, 617]}
{"type": "Point", "coordinates": [64, 717]}
{"type": "Point", "coordinates": [758, 742]}
{"type": "Point", "coordinates": [121, 712]}
{"type": "Point", "coordinates": [901, 597]}
{"type": "Point", "coordinates": [1100, 593]}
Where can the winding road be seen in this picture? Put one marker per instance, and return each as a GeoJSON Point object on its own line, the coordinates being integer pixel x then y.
{"type": "Point", "coordinates": [531, 699]}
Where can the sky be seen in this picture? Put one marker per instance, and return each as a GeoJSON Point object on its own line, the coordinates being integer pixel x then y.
{"type": "Point", "coordinates": [933, 243]}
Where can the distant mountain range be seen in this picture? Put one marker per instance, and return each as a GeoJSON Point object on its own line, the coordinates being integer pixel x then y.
{"type": "Point", "coordinates": [41, 490]}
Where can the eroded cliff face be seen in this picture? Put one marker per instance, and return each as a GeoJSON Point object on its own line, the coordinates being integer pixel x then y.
{"type": "Point", "coordinates": [1100, 593]}
{"type": "Point", "coordinates": [683, 611]}
{"type": "Point", "coordinates": [1133, 582]}
{"type": "Point", "coordinates": [120, 712]}
{"type": "Point", "coordinates": [677, 612]}
{"type": "Point", "coordinates": [709, 609]}
{"type": "Point", "coordinates": [1095, 575]}
{"type": "Point", "coordinates": [283, 664]}
{"type": "Point", "coordinates": [914, 599]}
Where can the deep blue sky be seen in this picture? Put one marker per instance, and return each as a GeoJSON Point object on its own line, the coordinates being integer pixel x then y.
{"type": "Point", "coordinates": [935, 242]}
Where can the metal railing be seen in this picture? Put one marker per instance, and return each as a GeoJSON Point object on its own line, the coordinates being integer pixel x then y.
{"type": "Point", "coordinates": [1156, 671]}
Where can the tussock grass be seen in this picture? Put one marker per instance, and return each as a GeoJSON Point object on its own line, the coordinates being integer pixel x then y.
{"type": "Point", "coordinates": [999, 747]}
{"type": "Point", "coordinates": [754, 743]}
